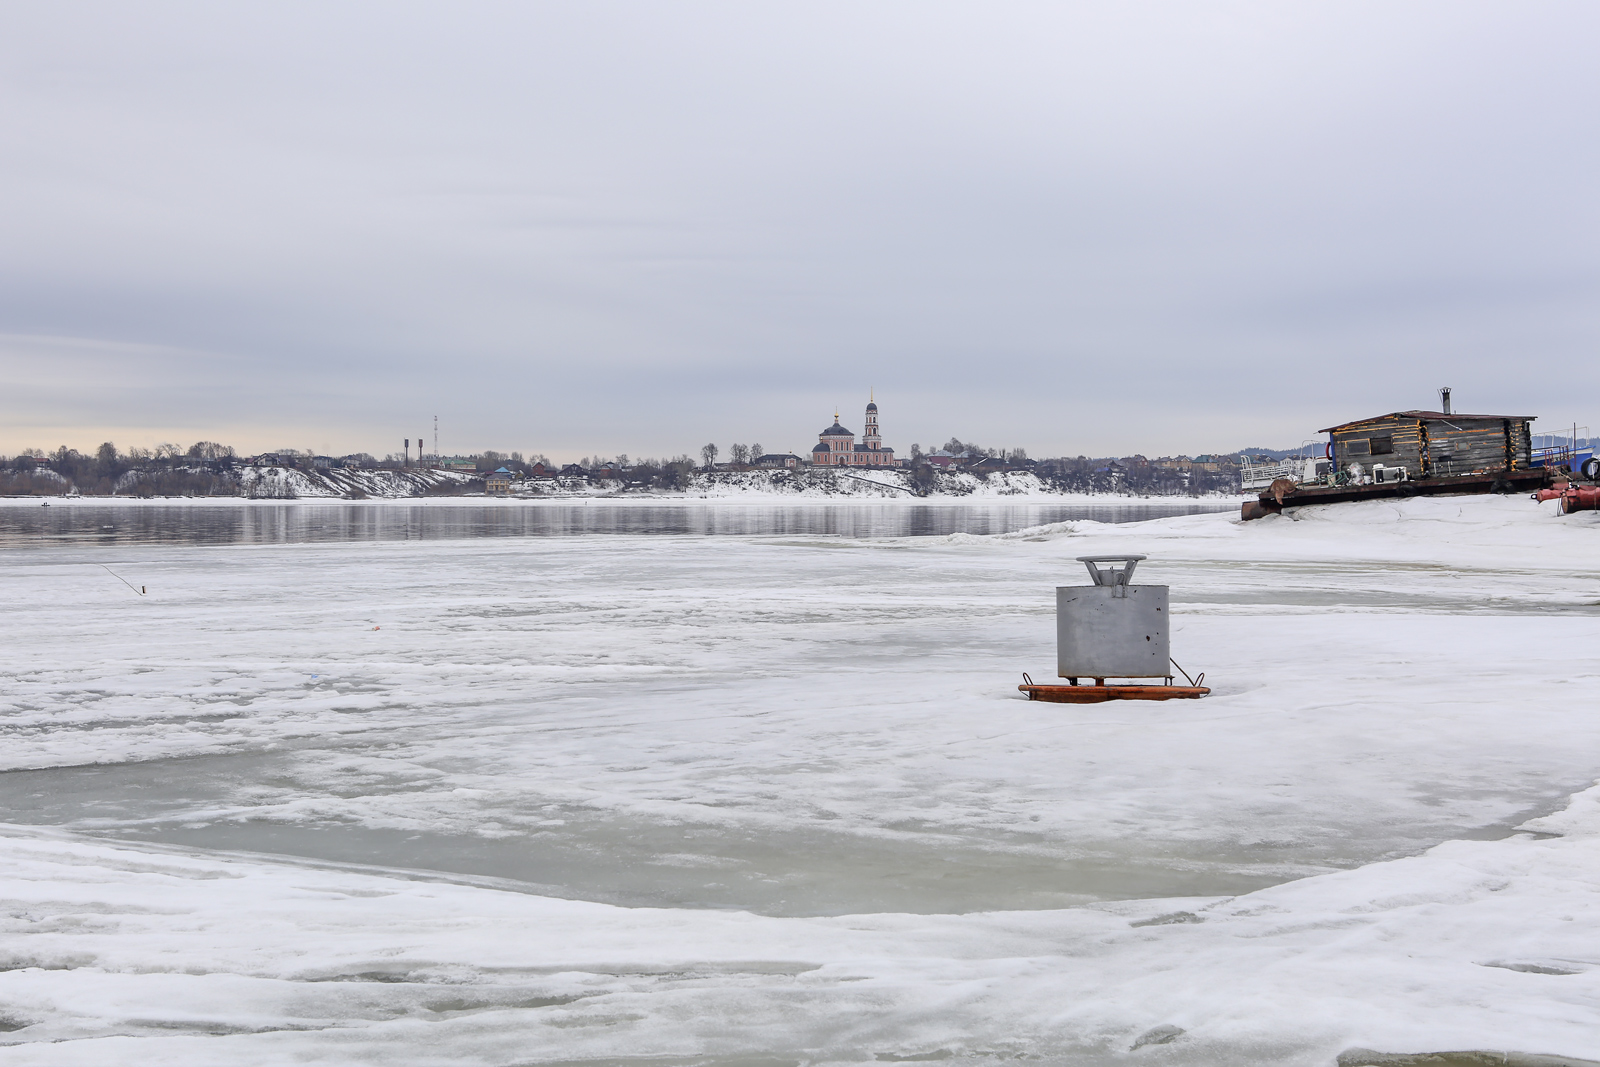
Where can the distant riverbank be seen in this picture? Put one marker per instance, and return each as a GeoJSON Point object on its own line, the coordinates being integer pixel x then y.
{"type": "Point", "coordinates": [279, 484]}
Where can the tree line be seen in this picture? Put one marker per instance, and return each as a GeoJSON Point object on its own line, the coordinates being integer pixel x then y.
{"type": "Point", "coordinates": [209, 468]}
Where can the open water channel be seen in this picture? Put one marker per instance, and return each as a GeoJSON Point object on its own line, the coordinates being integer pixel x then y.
{"type": "Point", "coordinates": [85, 522]}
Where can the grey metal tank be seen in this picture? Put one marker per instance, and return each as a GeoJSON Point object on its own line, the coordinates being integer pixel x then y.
{"type": "Point", "coordinates": [1112, 629]}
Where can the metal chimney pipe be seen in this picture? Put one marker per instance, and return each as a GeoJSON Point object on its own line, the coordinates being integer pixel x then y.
{"type": "Point", "coordinates": [1444, 399]}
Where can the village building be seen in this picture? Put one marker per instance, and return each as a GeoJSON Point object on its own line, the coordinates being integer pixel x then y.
{"type": "Point", "coordinates": [837, 447]}
{"type": "Point", "coordinates": [1433, 444]}
{"type": "Point", "coordinates": [499, 482]}
{"type": "Point", "coordinates": [778, 460]}
{"type": "Point", "coordinates": [946, 460]}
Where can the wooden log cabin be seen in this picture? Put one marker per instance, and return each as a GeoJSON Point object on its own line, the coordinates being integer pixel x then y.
{"type": "Point", "coordinates": [1434, 444]}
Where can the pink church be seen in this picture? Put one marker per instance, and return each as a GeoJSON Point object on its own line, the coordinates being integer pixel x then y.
{"type": "Point", "coordinates": [836, 446]}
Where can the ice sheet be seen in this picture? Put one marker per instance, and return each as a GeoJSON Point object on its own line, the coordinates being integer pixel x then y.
{"type": "Point", "coordinates": [806, 728]}
{"type": "Point", "coordinates": [118, 955]}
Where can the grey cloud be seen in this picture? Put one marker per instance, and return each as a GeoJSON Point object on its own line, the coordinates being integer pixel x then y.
{"type": "Point", "coordinates": [582, 227]}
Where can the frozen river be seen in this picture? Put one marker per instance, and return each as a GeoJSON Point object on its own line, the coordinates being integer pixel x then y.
{"type": "Point", "coordinates": [810, 720]}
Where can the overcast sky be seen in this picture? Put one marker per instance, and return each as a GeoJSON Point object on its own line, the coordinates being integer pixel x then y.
{"type": "Point", "coordinates": [590, 228]}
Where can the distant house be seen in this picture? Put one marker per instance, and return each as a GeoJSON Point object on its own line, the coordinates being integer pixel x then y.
{"type": "Point", "coordinates": [499, 482]}
{"type": "Point", "coordinates": [941, 458]}
{"type": "Point", "coordinates": [539, 470]}
{"type": "Point", "coordinates": [572, 470]}
{"type": "Point", "coordinates": [778, 460]}
{"type": "Point", "coordinates": [458, 465]}
{"type": "Point", "coordinates": [608, 470]}
{"type": "Point", "coordinates": [1434, 444]}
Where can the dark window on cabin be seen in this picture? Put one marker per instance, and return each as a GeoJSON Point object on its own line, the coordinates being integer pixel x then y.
{"type": "Point", "coordinates": [1356, 446]}
{"type": "Point", "coordinates": [1382, 446]}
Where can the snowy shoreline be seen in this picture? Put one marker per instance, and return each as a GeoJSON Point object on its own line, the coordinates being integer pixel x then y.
{"type": "Point", "coordinates": [754, 486]}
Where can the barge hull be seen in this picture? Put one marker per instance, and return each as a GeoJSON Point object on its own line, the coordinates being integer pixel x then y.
{"type": "Point", "coordinates": [1512, 481]}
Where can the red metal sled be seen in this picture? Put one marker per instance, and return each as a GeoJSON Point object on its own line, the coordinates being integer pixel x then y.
{"type": "Point", "coordinates": [1095, 694]}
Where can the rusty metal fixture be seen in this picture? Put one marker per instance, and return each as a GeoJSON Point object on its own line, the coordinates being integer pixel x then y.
{"type": "Point", "coordinates": [1112, 628]}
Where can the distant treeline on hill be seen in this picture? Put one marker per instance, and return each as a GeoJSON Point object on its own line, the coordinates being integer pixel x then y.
{"type": "Point", "coordinates": [208, 468]}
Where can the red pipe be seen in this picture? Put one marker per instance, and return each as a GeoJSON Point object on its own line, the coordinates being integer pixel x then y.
{"type": "Point", "coordinates": [1586, 498]}
{"type": "Point", "coordinates": [1573, 497]}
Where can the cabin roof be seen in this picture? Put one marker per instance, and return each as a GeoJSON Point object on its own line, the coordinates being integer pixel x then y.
{"type": "Point", "coordinates": [1421, 415]}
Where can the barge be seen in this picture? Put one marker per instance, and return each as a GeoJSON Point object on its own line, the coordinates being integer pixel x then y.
{"type": "Point", "coordinates": [1414, 453]}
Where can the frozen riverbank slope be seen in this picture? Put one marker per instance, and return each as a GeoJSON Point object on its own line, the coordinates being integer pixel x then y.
{"type": "Point", "coordinates": [752, 486]}
{"type": "Point", "coordinates": [794, 803]}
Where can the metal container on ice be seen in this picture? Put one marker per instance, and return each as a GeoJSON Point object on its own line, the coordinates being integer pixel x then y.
{"type": "Point", "coordinates": [1112, 629]}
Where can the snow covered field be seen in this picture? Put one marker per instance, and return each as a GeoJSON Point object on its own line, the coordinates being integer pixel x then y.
{"type": "Point", "coordinates": [666, 800]}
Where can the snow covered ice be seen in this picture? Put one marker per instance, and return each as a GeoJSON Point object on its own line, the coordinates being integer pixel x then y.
{"type": "Point", "coordinates": [761, 799]}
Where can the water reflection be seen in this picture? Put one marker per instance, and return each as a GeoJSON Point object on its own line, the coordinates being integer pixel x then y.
{"type": "Point", "coordinates": [85, 523]}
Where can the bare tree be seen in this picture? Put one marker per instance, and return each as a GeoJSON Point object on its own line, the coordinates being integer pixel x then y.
{"type": "Point", "coordinates": [709, 454]}
{"type": "Point", "coordinates": [210, 450]}
{"type": "Point", "coordinates": [756, 453]}
{"type": "Point", "coordinates": [739, 454]}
